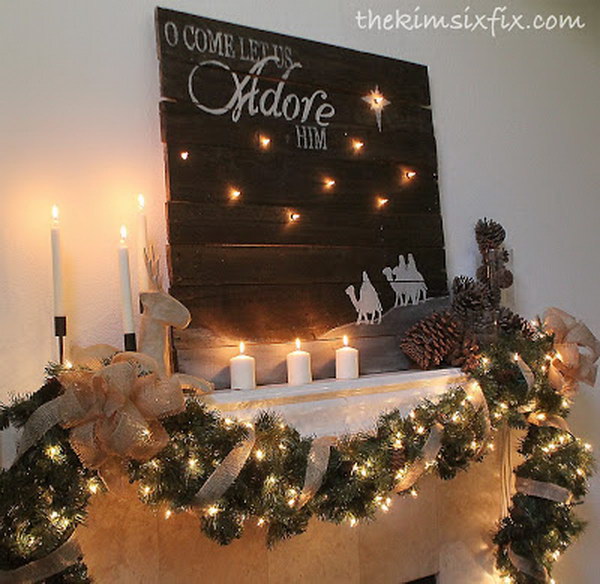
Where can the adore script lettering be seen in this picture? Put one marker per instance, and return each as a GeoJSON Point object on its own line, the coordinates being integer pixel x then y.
{"type": "Point", "coordinates": [248, 96]}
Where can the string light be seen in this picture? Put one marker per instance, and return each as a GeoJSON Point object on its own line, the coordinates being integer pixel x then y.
{"type": "Point", "coordinates": [410, 174]}
{"type": "Point", "coordinates": [420, 430]}
{"type": "Point", "coordinates": [357, 145]}
{"type": "Point", "coordinates": [265, 142]}
{"type": "Point", "coordinates": [235, 193]}
{"type": "Point", "coordinates": [353, 521]}
{"type": "Point", "coordinates": [413, 493]}
{"type": "Point", "coordinates": [93, 486]}
{"type": "Point", "coordinates": [329, 183]}
{"type": "Point", "coordinates": [261, 521]}
{"type": "Point", "coordinates": [54, 452]}
{"type": "Point", "coordinates": [228, 421]}
{"type": "Point", "coordinates": [294, 216]}
{"type": "Point", "coordinates": [588, 446]}
{"type": "Point", "coordinates": [192, 463]}
{"type": "Point", "coordinates": [212, 510]}
{"type": "Point", "coordinates": [168, 513]}
{"type": "Point", "coordinates": [259, 454]}
{"type": "Point", "coordinates": [382, 201]}
{"type": "Point", "coordinates": [184, 155]}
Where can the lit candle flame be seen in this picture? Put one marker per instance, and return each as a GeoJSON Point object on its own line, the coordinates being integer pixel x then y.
{"type": "Point", "coordinates": [345, 340]}
{"type": "Point", "coordinates": [123, 232]}
{"type": "Point", "coordinates": [141, 201]}
{"type": "Point", "coordinates": [242, 347]}
{"type": "Point", "coordinates": [298, 344]}
{"type": "Point", "coordinates": [55, 213]}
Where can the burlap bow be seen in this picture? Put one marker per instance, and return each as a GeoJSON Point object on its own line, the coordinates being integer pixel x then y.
{"type": "Point", "coordinates": [577, 351]}
{"type": "Point", "coordinates": [112, 412]}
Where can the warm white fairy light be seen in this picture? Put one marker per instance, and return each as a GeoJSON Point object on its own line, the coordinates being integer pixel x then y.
{"type": "Point", "coordinates": [382, 201]}
{"type": "Point", "coordinates": [329, 183]}
{"type": "Point", "coordinates": [235, 193]}
{"type": "Point", "coordinates": [353, 521]}
{"type": "Point", "coordinates": [261, 521]}
{"type": "Point", "coordinates": [357, 145]}
{"type": "Point", "coordinates": [588, 446]}
{"type": "Point", "coordinates": [53, 452]}
{"type": "Point", "coordinates": [540, 417]}
{"type": "Point", "coordinates": [228, 421]}
{"type": "Point", "coordinates": [420, 430]}
{"type": "Point", "coordinates": [292, 494]}
{"type": "Point", "coordinates": [265, 142]}
{"type": "Point", "coordinates": [414, 493]}
{"type": "Point", "coordinates": [192, 463]}
{"type": "Point", "coordinates": [213, 510]}
{"type": "Point", "coordinates": [93, 486]}
{"type": "Point", "coordinates": [271, 480]}
{"type": "Point", "coordinates": [294, 216]}
{"type": "Point", "coordinates": [259, 454]}
{"type": "Point", "coordinates": [184, 155]}
{"type": "Point", "coordinates": [456, 417]}
{"type": "Point", "coordinates": [168, 513]}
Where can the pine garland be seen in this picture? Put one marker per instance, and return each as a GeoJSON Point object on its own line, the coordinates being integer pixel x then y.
{"type": "Point", "coordinates": [44, 496]}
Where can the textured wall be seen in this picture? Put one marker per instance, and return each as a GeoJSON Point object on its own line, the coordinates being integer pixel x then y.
{"type": "Point", "coordinates": [516, 122]}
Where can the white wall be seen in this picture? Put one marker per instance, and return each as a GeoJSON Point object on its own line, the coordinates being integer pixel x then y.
{"type": "Point", "coordinates": [515, 118]}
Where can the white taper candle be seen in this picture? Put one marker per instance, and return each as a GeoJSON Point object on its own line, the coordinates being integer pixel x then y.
{"type": "Point", "coordinates": [59, 308]}
{"type": "Point", "coordinates": [125, 279]}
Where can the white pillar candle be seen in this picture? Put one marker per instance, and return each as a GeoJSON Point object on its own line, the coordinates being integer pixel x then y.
{"type": "Point", "coordinates": [243, 370]}
{"type": "Point", "coordinates": [142, 247]}
{"type": "Point", "coordinates": [125, 279]}
{"type": "Point", "coordinates": [346, 361]}
{"type": "Point", "coordinates": [298, 366]}
{"type": "Point", "coordinates": [59, 309]}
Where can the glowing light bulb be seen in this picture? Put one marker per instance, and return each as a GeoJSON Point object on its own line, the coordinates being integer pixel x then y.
{"type": "Point", "coordinates": [413, 493]}
{"type": "Point", "coordinates": [420, 430]}
{"type": "Point", "coordinates": [259, 454]}
{"type": "Point", "coordinates": [242, 347]}
{"type": "Point", "coordinates": [212, 510]}
{"type": "Point", "coordinates": [93, 486]}
{"type": "Point", "coordinates": [382, 201]}
{"type": "Point", "coordinates": [68, 364]}
{"type": "Point", "coordinates": [353, 521]}
{"type": "Point", "coordinates": [141, 201]}
{"type": "Point", "coordinates": [261, 521]}
{"type": "Point", "coordinates": [265, 142]}
{"type": "Point", "coordinates": [53, 452]}
{"type": "Point", "coordinates": [294, 216]}
{"type": "Point", "coordinates": [298, 344]}
{"type": "Point", "coordinates": [168, 513]}
{"type": "Point", "coordinates": [55, 214]}
{"type": "Point", "coordinates": [329, 183]}
{"type": "Point", "coordinates": [235, 193]}
{"type": "Point", "coordinates": [357, 145]}
{"type": "Point", "coordinates": [516, 357]}
{"type": "Point", "coordinates": [146, 490]}
{"type": "Point", "coordinates": [411, 174]}
{"type": "Point", "coordinates": [184, 155]}
{"type": "Point", "coordinates": [192, 463]}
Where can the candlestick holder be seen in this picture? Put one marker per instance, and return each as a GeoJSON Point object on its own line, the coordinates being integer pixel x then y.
{"type": "Point", "coordinates": [60, 332]}
{"type": "Point", "coordinates": [129, 342]}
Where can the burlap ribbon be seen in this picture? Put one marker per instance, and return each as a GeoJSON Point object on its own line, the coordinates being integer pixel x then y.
{"type": "Point", "coordinates": [55, 562]}
{"type": "Point", "coordinates": [316, 466]}
{"type": "Point", "coordinates": [536, 571]}
{"type": "Point", "coordinates": [543, 490]}
{"type": "Point", "coordinates": [112, 412]}
{"type": "Point", "coordinates": [429, 453]}
{"type": "Point", "coordinates": [225, 474]}
{"type": "Point", "coordinates": [577, 351]}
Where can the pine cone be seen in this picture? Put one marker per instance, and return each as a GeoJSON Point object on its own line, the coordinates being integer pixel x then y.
{"type": "Point", "coordinates": [466, 354]}
{"type": "Point", "coordinates": [468, 300]}
{"type": "Point", "coordinates": [510, 322]}
{"type": "Point", "coordinates": [489, 234]}
{"type": "Point", "coordinates": [432, 339]}
{"type": "Point", "coordinates": [504, 278]}
{"type": "Point", "coordinates": [461, 284]}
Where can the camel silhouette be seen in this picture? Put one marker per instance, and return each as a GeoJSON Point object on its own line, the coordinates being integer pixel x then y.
{"type": "Point", "coordinates": [368, 302]}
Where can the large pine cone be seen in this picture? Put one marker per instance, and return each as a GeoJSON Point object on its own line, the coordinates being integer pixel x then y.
{"type": "Point", "coordinates": [466, 354]}
{"type": "Point", "coordinates": [432, 339]}
{"type": "Point", "coordinates": [489, 234]}
{"type": "Point", "coordinates": [510, 322]}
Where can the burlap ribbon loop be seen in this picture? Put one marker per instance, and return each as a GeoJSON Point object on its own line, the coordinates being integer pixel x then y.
{"type": "Point", "coordinates": [536, 571]}
{"type": "Point", "coordinates": [543, 490]}
{"type": "Point", "coordinates": [429, 453]}
{"type": "Point", "coordinates": [316, 466]}
{"type": "Point", "coordinates": [225, 474]}
{"type": "Point", "coordinates": [55, 562]}
{"type": "Point", "coordinates": [577, 350]}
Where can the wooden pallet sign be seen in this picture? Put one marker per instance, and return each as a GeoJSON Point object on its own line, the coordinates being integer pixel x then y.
{"type": "Point", "coordinates": [303, 197]}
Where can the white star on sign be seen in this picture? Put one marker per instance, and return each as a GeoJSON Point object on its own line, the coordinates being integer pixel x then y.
{"type": "Point", "coordinates": [377, 102]}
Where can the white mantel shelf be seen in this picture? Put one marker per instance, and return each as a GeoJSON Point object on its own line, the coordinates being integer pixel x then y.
{"type": "Point", "coordinates": [334, 407]}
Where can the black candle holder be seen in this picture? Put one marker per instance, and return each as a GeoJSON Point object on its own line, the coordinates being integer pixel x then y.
{"type": "Point", "coordinates": [60, 332]}
{"type": "Point", "coordinates": [130, 342]}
